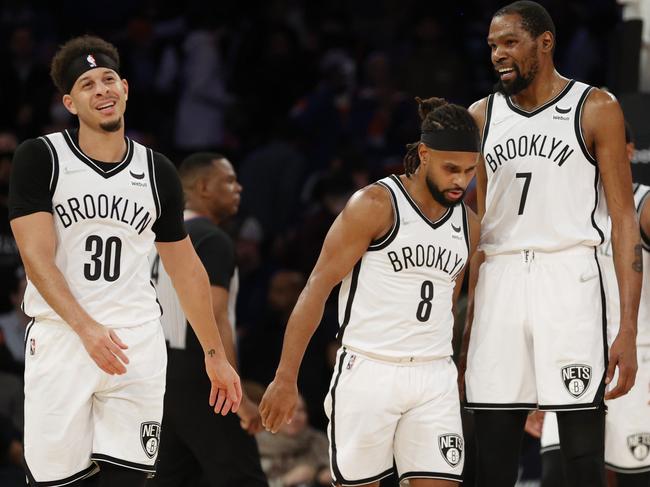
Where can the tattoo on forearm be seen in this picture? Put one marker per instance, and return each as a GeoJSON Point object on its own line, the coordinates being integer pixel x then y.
{"type": "Point", "coordinates": [211, 352]}
{"type": "Point", "coordinates": [637, 265]}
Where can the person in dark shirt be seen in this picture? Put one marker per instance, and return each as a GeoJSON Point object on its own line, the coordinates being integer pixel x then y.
{"type": "Point", "coordinates": [193, 451]}
{"type": "Point", "coordinates": [86, 207]}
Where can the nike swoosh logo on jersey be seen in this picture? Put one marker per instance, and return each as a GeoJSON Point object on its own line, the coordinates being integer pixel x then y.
{"type": "Point", "coordinates": [456, 229]}
{"type": "Point", "coordinates": [406, 222]}
{"type": "Point", "coordinates": [136, 176]}
{"type": "Point", "coordinates": [587, 277]}
{"type": "Point", "coordinates": [562, 110]}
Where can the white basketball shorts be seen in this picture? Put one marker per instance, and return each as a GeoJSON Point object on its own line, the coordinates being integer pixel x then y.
{"type": "Point", "coordinates": [380, 410]}
{"type": "Point", "coordinates": [76, 415]}
{"type": "Point", "coordinates": [627, 425]}
{"type": "Point", "coordinates": [539, 332]}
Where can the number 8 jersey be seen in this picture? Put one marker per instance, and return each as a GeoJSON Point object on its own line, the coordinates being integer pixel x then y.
{"type": "Point", "coordinates": [103, 216]}
{"type": "Point", "coordinates": [543, 186]}
{"type": "Point", "coordinates": [397, 301]}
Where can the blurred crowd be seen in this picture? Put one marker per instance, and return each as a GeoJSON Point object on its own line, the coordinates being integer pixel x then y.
{"type": "Point", "coordinates": [309, 100]}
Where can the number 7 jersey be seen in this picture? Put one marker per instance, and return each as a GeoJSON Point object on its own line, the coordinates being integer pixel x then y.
{"type": "Point", "coordinates": [543, 186]}
{"type": "Point", "coordinates": [397, 301]}
{"type": "Point", "coordinates": [103, 223]}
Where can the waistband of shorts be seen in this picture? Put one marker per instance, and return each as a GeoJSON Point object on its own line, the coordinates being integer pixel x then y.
{"type": "Point", "coordinates": [527, 255]}
{"type": "Point", "coordinates": [394, 360]}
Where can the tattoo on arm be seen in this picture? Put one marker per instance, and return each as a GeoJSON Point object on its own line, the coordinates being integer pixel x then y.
{"type": "Point", "coordinates": [211, 352]}
{"type": "Point", "coordinates": [637, 265]}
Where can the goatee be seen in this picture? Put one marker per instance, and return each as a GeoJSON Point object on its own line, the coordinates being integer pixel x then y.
{"type": "Point", "coordinates": [112, 126]}
{"type": "Point", "coordinates": [440, 197]}
{"type": "Point", "coordinates": [517, 85]}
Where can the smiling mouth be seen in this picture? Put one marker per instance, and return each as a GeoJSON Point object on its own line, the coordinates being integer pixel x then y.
{"type": "Point", "coordinates": [505, 72]}
{"type": "Point", "coordinates": [106, 106]}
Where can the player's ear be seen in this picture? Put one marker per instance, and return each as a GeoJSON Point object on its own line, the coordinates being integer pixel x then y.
{"type": "Point", "coordinates": [547, 42]}
{"type": "Point", "coordinates": [423, 153]}
{"type": "Point", "coordinates": [126, 88]}
{"type": "Point", "coordinates": [68, 103]}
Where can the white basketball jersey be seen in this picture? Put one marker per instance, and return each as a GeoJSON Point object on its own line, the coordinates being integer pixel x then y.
{"type": "Point", "coordinates": [606, 258]}
{"type": "Point", "coordinates": [543, 187]}
{"type": "Point", "coordinates": [397, 301]}
{"type": "Point", "coordinates": [102, 221]}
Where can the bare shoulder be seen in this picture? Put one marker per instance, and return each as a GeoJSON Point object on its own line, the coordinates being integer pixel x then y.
{"type": "Point", "coordinates": [600, 103]}
{"type": "Point", "coordinates": [477, 110]}
{"type": "Point", "coordinates": [370, 206]}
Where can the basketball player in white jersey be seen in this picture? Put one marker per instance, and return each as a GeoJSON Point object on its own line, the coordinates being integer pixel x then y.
{"type": "Point", "coordinates": [627, 423]}
{"type": "Point", "coordinates": [400, 247]}
{"type": "Point", "coordinates": [86, 207]}
{"type": "Point", "coordinates": [553, 153]}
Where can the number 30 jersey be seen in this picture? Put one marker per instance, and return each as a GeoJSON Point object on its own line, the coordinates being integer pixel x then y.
{"type": "Point", "coordinates": [397, 301]}
{"type": "Point", "coordinates": [103, 222]}
{"type": "Point", "coordinates": [543, 186]}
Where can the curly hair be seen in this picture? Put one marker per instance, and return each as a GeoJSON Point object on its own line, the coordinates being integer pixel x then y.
{"type": "Point", "coordinates": [437, 114]}
{"type": "Point", "coordinates": [534, 18]}
{"type": "Point", "coordinates": [74, 48]}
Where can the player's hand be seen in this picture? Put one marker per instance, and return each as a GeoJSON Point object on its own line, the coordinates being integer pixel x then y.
{"type": "Point", "coordinates": [534, 424]}
{"type": "Point", "coordinates": [249, 416]}
{"type": "Point", "coordinates": [105, 348]}
{"type": "Point", "coordinates": [225, 389]}
{"type": "Point", "coordinates": [278, 404]}
{"type": "Point", "coordinates": [622, 355]}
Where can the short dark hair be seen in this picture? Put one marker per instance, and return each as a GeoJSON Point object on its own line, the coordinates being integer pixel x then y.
{"type": "Point", "coordinates": [535, 19]}
{"type": "Point", "coordinates": [196, 162]}
{"type": "Point", "coordinates": [71, 50]}
{"type": "Point", "coordinates": [437, 114]}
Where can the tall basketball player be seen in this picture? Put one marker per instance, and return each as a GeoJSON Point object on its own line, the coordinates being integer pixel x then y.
{"type": "Point", "coordinates": [400, 247]}
{"type": "Point", "coordinates": [553, 162]}
{"type": "Point", "coordinates": [86, 207]}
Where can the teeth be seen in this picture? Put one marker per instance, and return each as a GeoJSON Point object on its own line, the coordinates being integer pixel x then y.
{"type": "Point", "coordinates": [108, 105]}
{"type": "Point", "coordinates": [505, 70]}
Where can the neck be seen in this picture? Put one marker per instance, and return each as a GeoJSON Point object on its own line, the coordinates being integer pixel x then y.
{"type": "Point", "coordinates": [417, 188]}
{"type": "Point", "coordinates": [546, 85]}
{"type": "Point", "coordinates": [192, 210]}
{"type": "Point", "coordinates": [101, 145]}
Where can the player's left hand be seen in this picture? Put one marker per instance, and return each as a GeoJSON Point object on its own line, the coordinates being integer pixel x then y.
{"type": "Point", "coordinates": [225, 390]}
{"type": "Point", "coordinates": [278, 404]}
{"type": "Point", "coordinates": [622, 354]}
{"type": "Point", "coordinates": [249, 415]}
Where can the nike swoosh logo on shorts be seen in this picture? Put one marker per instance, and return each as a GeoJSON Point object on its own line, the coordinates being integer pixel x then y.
{"type": "Point", "coordinates": [587, 277]}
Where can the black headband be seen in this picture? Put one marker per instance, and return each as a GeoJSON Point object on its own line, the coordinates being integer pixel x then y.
{"type": "Point", "coordinates": [451, 140]}
{"type": "Point", "coordinates": [86, 62]}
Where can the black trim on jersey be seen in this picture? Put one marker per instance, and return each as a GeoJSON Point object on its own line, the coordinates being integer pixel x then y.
{"type": "Point", "coordinates": [439, 222]}
{"type": "Point", "coordinates": [348, 306]}
{"type": "Point", "coordinates": [593, 212]}
{"type": "Point", "coordinates": [156, 293]}
{"type": "Point", "coordinates": [118, 167]}
{"type": "Point", "coordinates": [338, 477]}
{"type": "Point", "coordinates": [385, 240]}
{"type": "Point", "coordinates": [431, 475]}
{"type": "Point", "coordinates": [506, 406]}
{"type": "Point", "coordinates": [645, 198]}
{"type": "Point", "coordinates": [537, 110]}
{"type": "Point", "coordinates": [465, 225]}
{"type": "Point", "coordinates": [627, 470]}
{"type": "Point", "coordinates": [100, 457]}
{"type": "Point", "coordinates": [577, 124]}
{"type": "Point", "coordinates": [152, 181]}
{"type": "Point", "coordinates": [86, 472]}
{"type": "Point", "coordinates": [488, 117]}
{"type": "Point", "coordinates": [27, 330]}
{"type": "Point", "coordinates": [54, 178]}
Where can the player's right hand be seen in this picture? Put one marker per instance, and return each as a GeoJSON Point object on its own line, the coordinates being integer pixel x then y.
{"type": "Point", "coordinates": [278, 404]}
{"type": "Point", "coordinates": [105, 348]}
{"type": "Point", "coordinates": [534, 424]}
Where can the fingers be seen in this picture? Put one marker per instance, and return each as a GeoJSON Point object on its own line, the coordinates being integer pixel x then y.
{"type": "Point", "coordinates": [221, 399]}
{"type": "Point", "coordinates": [611, 368]}
{"type": "Point", "coordinates": [235, 394]}
{"type": "Point", "coordinates": [117, 340]}
{"type": "Point", "coordinates": [214, 390]}
{"type": "Point", "coordinates": [623, 384]}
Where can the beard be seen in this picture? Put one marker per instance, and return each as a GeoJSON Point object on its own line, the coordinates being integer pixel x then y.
{"type": "Point", "coordinates": [112, 126]}
{"type": "Point", "coordinates": [439, 195]}
{"type": "Point", "coordinates": [518, 84]}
